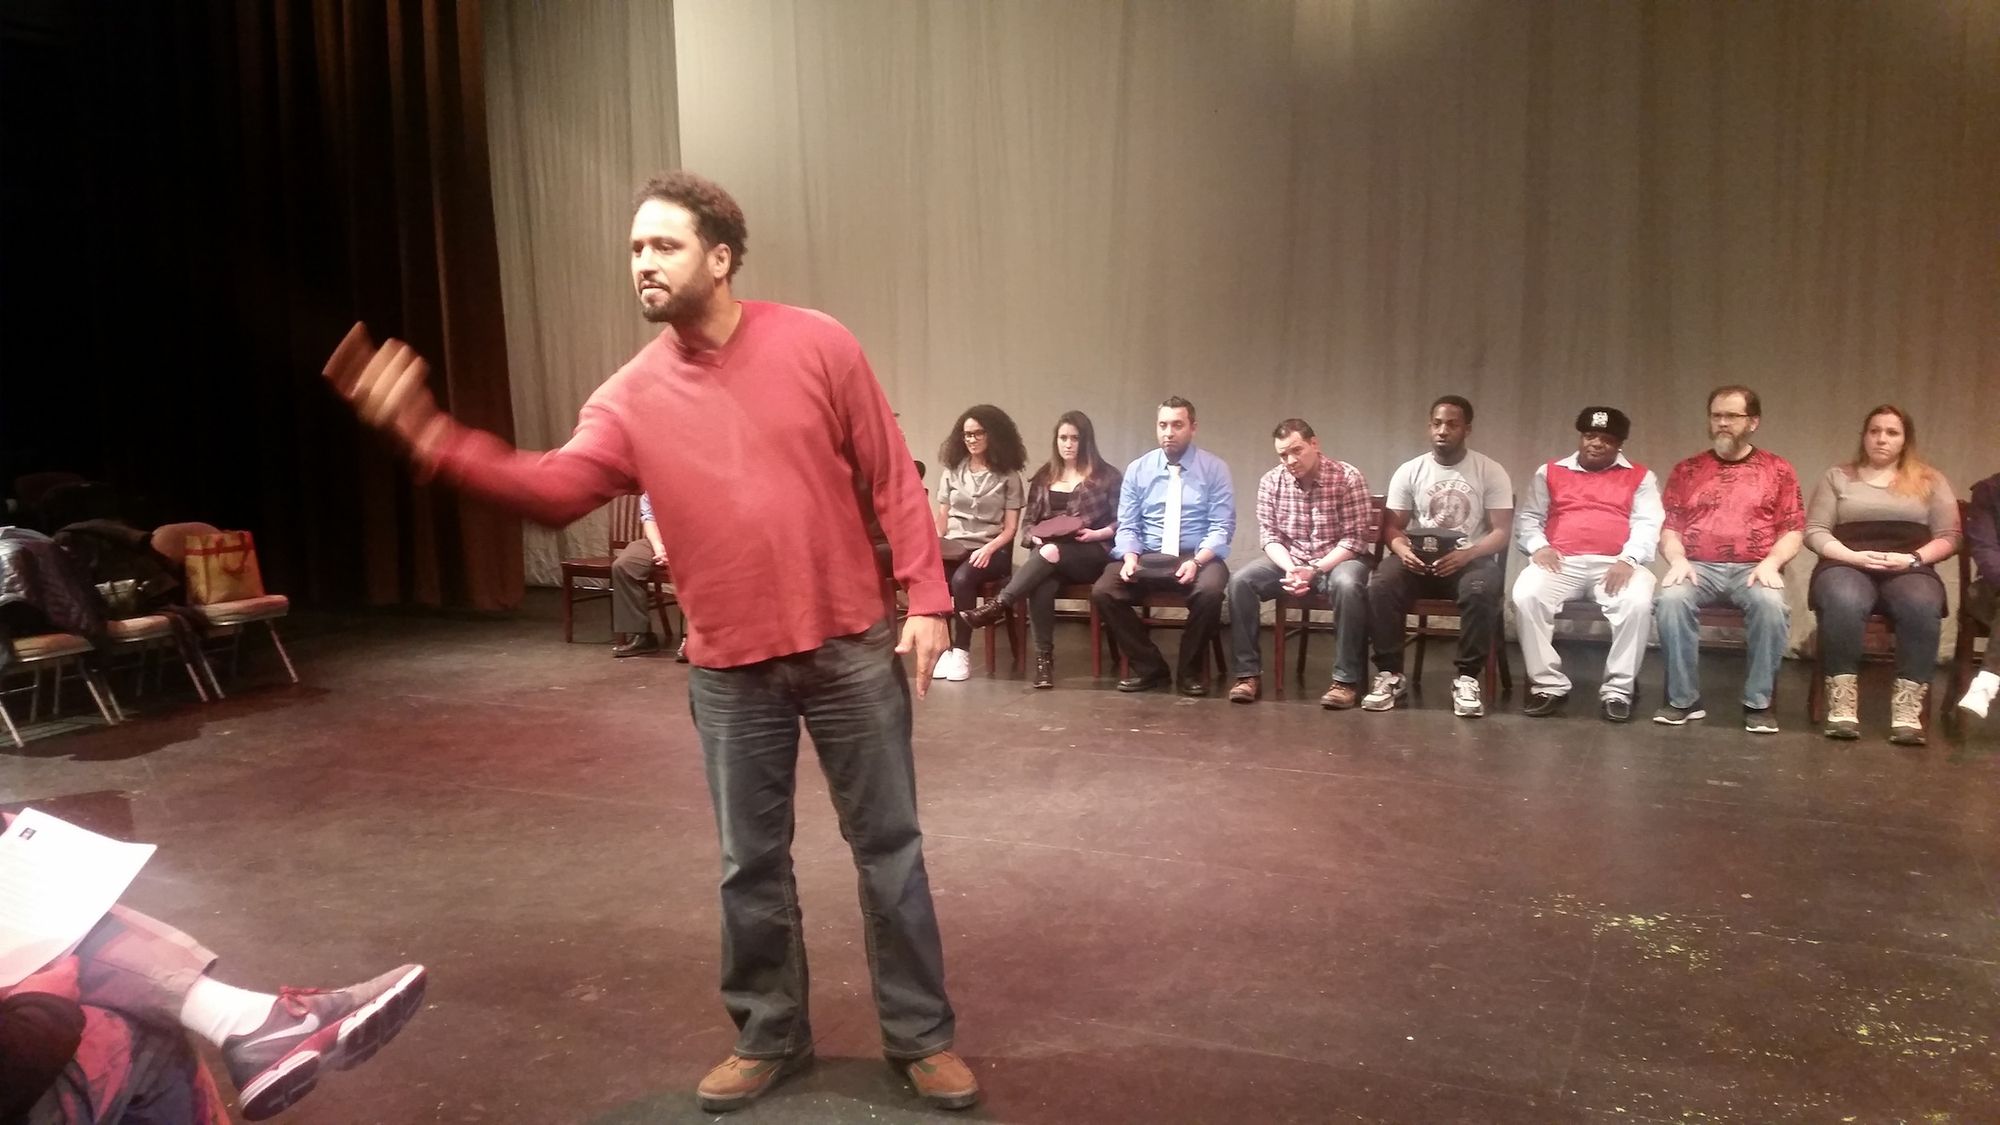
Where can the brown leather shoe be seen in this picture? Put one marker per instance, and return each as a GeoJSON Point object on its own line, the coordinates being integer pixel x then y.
{"type": "Point", "coordinates": [1340, 697]}
{"type": "Point", "coordinates": [739, 1081]}
{"type": "Point", "coordinates": [942, 1079]}
{"type": "Point", "coordinates": [1247, 690]}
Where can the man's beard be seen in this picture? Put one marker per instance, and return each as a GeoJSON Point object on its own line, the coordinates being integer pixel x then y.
{"type": "Point", "coordinates": [1729, 447]}
{"type": "Point", "coordinates": [680, 304]}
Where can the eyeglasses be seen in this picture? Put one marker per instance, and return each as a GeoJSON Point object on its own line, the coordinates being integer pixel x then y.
{"type": "Point", "coordinates": [974, 435]}
{"type": "Point", "coordinates": [1727, 417]}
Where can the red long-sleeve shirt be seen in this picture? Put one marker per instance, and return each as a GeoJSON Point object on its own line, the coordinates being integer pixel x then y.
{"type": "Point", "coordinates": [756, 456]}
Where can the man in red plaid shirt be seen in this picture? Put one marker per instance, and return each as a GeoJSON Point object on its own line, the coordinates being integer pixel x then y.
{"type": "Point", "coordinates": [1317, 528]}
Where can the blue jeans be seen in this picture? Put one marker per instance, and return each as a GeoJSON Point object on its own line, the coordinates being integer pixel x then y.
{"type": "Point", "coordinates": [1767, 627]}
{"type": "Point", "coordinates": [1345, 587]}
{"type": "Point", "coordinates": [854, 696]}
{"type": "Point", "coordinates": [1844, 596]}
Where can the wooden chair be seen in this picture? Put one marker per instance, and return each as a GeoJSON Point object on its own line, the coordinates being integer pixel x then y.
{"type": "Point", "coordinates": [1306, 604]}
{"type": "Point", "coordinates": [1878, 642]}
{"type": "Point", "coordinates": [1099, 639]}
{"type": "Point", "coordinates": [623, 528]}
{"type": "Point", "coordinates": [1965, 654]}
{"type": "Point", "coordinates": [1014, 624]}
{"type": "Point", "coordinates": [1144, 607]}
{"type": "Point", "coordinates": [1498, 677]}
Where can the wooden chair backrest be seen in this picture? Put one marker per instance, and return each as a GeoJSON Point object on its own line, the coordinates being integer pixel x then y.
{"type": "Point", "coordinates": [624, 512]}
{"type": "Point", "coordinates": [1964, 552]}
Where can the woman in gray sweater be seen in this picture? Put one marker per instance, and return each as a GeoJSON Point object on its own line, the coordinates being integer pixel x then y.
{"type": "Point", "coordinates": [1880, 525]}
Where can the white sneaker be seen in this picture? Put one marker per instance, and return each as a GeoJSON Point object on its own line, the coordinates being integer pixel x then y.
{"type": "Point", "coordinates": [1979, 697]}
{"type": "Point", "coordinates": [961, 665]}
{"type": "Point", "coordinates": [945, 661]}
{"type": "Point", "coordinates": [1388, 691]}
{"type": "Point", "coordinates": [1465, 701]}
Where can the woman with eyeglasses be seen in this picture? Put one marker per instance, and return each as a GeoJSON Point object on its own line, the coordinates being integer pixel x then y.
{"type": "Point", "coordinates": [979, 510]}
{"type": "Point", "coordinates": [1880, 525]}
{"type": "Point", "coordinates": [1071, 515]}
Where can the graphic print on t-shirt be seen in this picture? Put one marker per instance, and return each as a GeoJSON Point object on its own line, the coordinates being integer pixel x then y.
{"type": "Point", "coordinates": [1450, 506]}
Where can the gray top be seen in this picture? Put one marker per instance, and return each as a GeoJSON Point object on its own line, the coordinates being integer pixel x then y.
{"type": "Point", "coordinates": [1841, 497]}
{"type": "Point", "coordinates": [977, 502]}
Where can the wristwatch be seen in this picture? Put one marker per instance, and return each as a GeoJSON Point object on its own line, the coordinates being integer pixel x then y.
{"type": "Point", "coordinates": [1916, 559]}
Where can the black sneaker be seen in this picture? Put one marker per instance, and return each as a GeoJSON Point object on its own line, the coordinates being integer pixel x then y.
{"type": "Point", "coordinates": [1541, 706]}
{"type": "Point", "coordinates": [1673, 716]}
{"type": "Point", "coordinates": [308, 1029]}
{"type": "Point", "coordinates": [1760, 720]}
{"type": "Point", "coordinates": [1616, 710]}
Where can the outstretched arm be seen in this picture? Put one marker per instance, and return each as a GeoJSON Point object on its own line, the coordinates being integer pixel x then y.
{"type": "Point", "coordinates": [388, 388]}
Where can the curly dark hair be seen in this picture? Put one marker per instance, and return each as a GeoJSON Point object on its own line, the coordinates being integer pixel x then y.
{"type": "Point", "coordinates": [717, 217]}
{"type": "Point", "coordinates": [1004, 451]}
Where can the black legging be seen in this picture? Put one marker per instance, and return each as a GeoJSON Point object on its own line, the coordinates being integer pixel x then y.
{"type": "Point", "coordinates": [1038, 578]}
{"type": "Point", "coordinates": [966, 580]}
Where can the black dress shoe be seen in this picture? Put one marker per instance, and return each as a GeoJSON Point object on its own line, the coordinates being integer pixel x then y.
{"type": "Point", "coordinates": [1617, 710]}
{"type": "Point", "coordinates": [1147, 681]}
{"type": "Point", "coordinates": [1541, 706]}
{"type": "Point", "coordinates": [636, 644]}
{"type": "Point", "coordinates": [1194, 687]}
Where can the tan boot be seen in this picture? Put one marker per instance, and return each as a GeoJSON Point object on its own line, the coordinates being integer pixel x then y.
{"type": "Point", "coordinates": [1843, 702]}
{"type": "Point", "coordinates": [1906, 712]}
{"type": "Point", "coordinates": [942, 1079]}
{"type": "Point", "coordinates": [738, 1081]}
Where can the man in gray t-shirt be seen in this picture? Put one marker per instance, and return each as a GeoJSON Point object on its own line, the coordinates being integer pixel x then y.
{"type": "Point", "coordinates": [1451, 515]}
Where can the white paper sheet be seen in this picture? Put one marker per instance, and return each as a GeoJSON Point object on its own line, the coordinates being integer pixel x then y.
{"type": "Point", "coordinates": [56, 881]}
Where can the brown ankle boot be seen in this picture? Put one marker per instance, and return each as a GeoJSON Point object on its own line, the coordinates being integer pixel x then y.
{"type": "Point", "coordinates": [988, 613]}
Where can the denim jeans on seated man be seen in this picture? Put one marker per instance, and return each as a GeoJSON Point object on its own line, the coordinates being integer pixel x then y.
{"type": "Point", "coordinates": [854, 698]}
{"type": "Point", "coordinates": [1345, 587]}
{"type": "Point", "coordinates": [1767, 621]}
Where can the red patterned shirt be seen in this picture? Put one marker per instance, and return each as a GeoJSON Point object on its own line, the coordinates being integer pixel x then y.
{"type": "Point", "coordinates": [1733, 511]}
{"type": "Point", "coordinates": [1331, 510]}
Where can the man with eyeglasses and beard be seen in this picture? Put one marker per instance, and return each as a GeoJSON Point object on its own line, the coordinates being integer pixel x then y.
{"type": "Point", "coordinates": [1734, 519]}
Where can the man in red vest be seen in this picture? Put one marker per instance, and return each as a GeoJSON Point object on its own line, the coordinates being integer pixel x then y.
{"type": "Point", "coordinates": [1590, 523]}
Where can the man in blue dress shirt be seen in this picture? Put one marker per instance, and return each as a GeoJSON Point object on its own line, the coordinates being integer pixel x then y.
{"type": "Point", "coordinates": [1176, 514]}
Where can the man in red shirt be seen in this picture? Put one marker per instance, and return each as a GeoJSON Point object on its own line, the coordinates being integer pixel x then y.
{"type": "Point", "coordinates": [1734, 519]}
{"type": "Point", "coordinates": [737, 418]}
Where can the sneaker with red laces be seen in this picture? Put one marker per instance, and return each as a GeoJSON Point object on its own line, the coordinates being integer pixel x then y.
{"type": "Point", "coordinates": [737, 1081]}
{"type": "Point", "coordinates": [310, 1029]}
{"type": "Point", "coordinates": [942, 1080]}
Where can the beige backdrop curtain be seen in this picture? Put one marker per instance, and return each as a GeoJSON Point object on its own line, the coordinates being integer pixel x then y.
{"type": "Point", "coordinates": [581, 108]}
{"type": "Point", "coordinates": [1332, 208]}
{"type": "Point", "coordinates": [1342, 209]}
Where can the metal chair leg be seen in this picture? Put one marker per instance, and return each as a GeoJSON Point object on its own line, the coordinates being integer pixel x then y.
{"type": "Point", "coordinates": [201, 657]}
{"type": "Point", "coordinates": [89, 678]}
{"type": "Point", "coordinates": [11, 731]}
{"type": "Point", "coordinates": [282, 654]}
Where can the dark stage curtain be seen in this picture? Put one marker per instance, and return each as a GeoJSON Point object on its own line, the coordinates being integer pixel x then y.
{"type": "Point", "coordinates": [199, 198]}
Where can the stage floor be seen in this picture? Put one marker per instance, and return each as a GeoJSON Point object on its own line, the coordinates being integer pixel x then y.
{"type": "Point", "coordinates": [1155, 909]}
